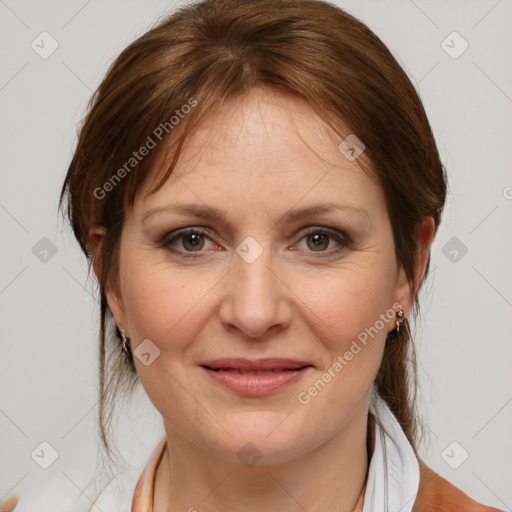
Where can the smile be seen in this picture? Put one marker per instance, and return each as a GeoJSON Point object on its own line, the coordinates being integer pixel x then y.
{"type": "Point", "coordinates": [255, 382]}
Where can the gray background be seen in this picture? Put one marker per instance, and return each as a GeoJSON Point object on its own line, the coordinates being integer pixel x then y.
{"type": "Point", "coordinates": [48, 358]}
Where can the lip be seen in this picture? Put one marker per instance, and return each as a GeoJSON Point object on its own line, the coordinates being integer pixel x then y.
{"type": "Point", "coordinates": [285, 372]}
{"type": "Point", "coordinates": [270, 363]}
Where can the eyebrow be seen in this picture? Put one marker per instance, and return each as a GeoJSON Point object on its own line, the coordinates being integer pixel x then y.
{"type": "Point", "coordinates": [205, 212]}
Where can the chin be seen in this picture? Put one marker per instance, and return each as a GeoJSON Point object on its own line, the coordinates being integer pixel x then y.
{"type": "Point", "coordinates": [264, 437]}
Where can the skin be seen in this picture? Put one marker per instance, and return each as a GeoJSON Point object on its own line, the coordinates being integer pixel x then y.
{"type": "Point", "coordinates": [256, 160]}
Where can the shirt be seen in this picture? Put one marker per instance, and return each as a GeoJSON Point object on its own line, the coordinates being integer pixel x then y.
{"type": "Point", "coordinates": [392, 483]}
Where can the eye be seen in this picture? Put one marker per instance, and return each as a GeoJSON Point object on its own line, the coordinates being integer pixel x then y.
{"type": "Point", "coordinates": [191, 241]}
{"type": "Point", "coordinates": [319, 238]}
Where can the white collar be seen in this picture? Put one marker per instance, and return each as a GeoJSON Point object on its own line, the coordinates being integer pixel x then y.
{"type": "Point", "coordinates": [394, 472]}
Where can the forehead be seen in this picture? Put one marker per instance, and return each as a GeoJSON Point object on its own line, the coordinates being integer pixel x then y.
{"type": "Point", "coordinates": [265, 146]}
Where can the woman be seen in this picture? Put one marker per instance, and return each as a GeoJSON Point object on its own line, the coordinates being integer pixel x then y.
{"type": "Point", "coordinates": [257, 187]}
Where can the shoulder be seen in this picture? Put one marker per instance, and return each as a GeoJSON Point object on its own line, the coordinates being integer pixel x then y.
{"type": "Point", "coordinates": [435, 494]}
{"type": "Point", "coordinates": [9, 504]}
{"type": "Point", "coordinates": [115, 496]}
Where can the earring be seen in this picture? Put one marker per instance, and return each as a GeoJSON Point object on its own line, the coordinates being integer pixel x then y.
{"type": "Point", "coordinates": [126, 342]}
{"type": "Point", "coordinates": [400, 314]}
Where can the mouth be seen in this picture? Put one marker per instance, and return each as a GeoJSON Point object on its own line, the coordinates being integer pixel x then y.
{"type": "Point", "coordinates": [256, 377]}
{"type": "Point", "coordinates": [255, 372]}
{"type": "Point", "coordinates": [269, 364]}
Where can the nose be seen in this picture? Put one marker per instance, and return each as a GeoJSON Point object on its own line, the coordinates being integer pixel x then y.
{"type": "Point", "coordinates": [256, 298]}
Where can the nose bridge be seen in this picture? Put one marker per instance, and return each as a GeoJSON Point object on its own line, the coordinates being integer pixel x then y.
{"type": "Point", "coordinates": [255, 300]}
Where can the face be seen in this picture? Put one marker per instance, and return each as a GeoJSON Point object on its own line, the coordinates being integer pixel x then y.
{"type": "Point", "coordinates": [257, 282]}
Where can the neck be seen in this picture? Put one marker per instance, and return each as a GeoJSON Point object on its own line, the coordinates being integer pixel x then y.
{"type": "Point", "coordinates": [331, 477]}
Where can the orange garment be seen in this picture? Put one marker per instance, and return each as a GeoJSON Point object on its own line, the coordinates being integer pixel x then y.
{"type": "Point", "coordinates": [143, 495]}
{"type": "Point", "coordinates": [435, 494]}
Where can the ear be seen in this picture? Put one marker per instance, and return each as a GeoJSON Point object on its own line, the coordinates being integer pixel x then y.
{"type": "Point", "coordinates": [424, 236]}
{"type": "Point", "coordinates": [96, 238]}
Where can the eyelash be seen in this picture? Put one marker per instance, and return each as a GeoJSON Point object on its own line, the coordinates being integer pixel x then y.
{"type": "Point", "coordinates": [340, 236]}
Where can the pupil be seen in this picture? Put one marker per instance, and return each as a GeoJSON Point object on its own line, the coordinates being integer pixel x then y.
{"type": "Point", "coordinates": [194, 239]}
{"type": "Point", "coordinates": [318, 240]}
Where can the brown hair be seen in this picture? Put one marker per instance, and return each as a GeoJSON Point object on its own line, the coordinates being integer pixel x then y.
{"type": "Point", "coordinates": [211, 52]}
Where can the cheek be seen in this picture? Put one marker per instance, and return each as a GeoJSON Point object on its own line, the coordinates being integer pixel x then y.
{"type": "Point", "coordinates": [165, 306]}
{"type": "Point", "coordinates": [344, 312]}
{"type": "Point", "coordinates": [162, 304]}
{"type": "Point", "coordinates": [345, 302]}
